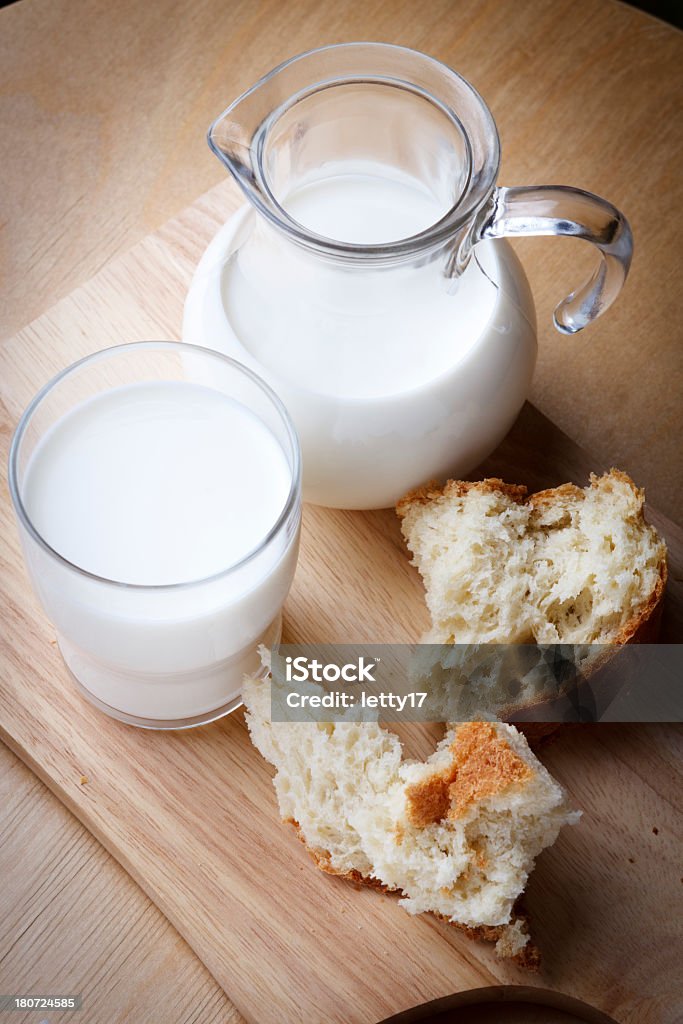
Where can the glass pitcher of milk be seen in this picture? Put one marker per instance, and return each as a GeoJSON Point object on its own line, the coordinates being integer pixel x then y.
{"type": "Point", "coordinates": [368, 279]}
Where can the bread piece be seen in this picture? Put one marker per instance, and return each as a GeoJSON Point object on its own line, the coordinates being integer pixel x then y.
{"type": "Point", "coordinates": [456, 835]}
{"type": "Point", "coordinates": [561, 566]}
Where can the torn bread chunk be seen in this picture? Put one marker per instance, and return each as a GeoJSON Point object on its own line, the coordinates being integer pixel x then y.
{"type": "Point", "coordinates": [567, 565]}
{"type": "Point", "coordinates": [456, 835]}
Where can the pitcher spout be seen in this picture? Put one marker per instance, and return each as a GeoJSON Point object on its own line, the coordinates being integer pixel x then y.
{"type": "Point", "coordinates": [233, 136]}
{"type": "Point", "coordinates": [344, 110]}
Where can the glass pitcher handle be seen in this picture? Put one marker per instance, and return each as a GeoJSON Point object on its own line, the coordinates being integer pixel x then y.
{"type": "Point", "coordinates": [561, 210]}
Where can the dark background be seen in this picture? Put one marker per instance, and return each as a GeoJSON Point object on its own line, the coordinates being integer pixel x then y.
{"type": "Point", "coordinates": [668, 10]}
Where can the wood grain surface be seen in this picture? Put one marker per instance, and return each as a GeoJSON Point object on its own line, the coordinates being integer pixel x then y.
{"type": "Point", "coordinates": [103, 109]}
{"type": "Point", "coordinates": [78, 931]}
{"type": "Point", "coordinates": [192, 816]}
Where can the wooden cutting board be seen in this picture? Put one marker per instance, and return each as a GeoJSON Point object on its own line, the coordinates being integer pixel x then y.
{"type": "Point", "coordinates": [192, 815]}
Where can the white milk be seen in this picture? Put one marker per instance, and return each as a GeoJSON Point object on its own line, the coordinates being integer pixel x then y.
{"type": "Point", "coordinates": [364, 208]}
{"type": "Point", "coordinates": [392, 375]}
{"type": "Point", "coordinates": [350, 334]}
{"type": "Point", "coordinates": [155, 484]}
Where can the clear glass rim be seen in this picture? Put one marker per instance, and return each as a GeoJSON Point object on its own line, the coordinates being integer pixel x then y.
{"type": "Point", "coordinates": [291, 504]}
{"type": "Point", "coordinates": [435, 235]}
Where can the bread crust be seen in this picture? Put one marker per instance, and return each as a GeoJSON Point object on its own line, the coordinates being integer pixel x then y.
{"type": "Point", "coordinates": [528, 958]}
{"type": "Point", "coordinates": [482, 765]}
{"type": "Point", "coordinates": [432, 491]}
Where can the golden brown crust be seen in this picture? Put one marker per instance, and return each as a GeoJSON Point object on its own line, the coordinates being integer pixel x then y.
{"type": "Point", "coordinates": [624, 478]}
{"type": "Point", "coordinates": [323, 861]}
{"type": "Point", "coordinates": [550, 496]}
{"type": "Point", "coordinates": [483, 764]}
{"type": "Point", "coordinates": [430, 800]}
{"type": "Point", "coordinates": [643, 628]}
{"type": "Point", "coordinates": [529, 957]}
{"type": "Point", "coordinates": [457, 489]}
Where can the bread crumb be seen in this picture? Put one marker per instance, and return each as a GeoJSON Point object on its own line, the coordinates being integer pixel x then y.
{"type": "Point", "coordinates": [84, 780]}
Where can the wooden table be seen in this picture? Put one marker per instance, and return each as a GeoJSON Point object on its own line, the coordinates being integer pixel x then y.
{"type": "Point", "coordinates": [103, 110]}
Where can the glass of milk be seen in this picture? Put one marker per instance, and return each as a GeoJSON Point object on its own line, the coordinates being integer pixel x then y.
{"type": "Point", "coordinates": [158, 495]}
